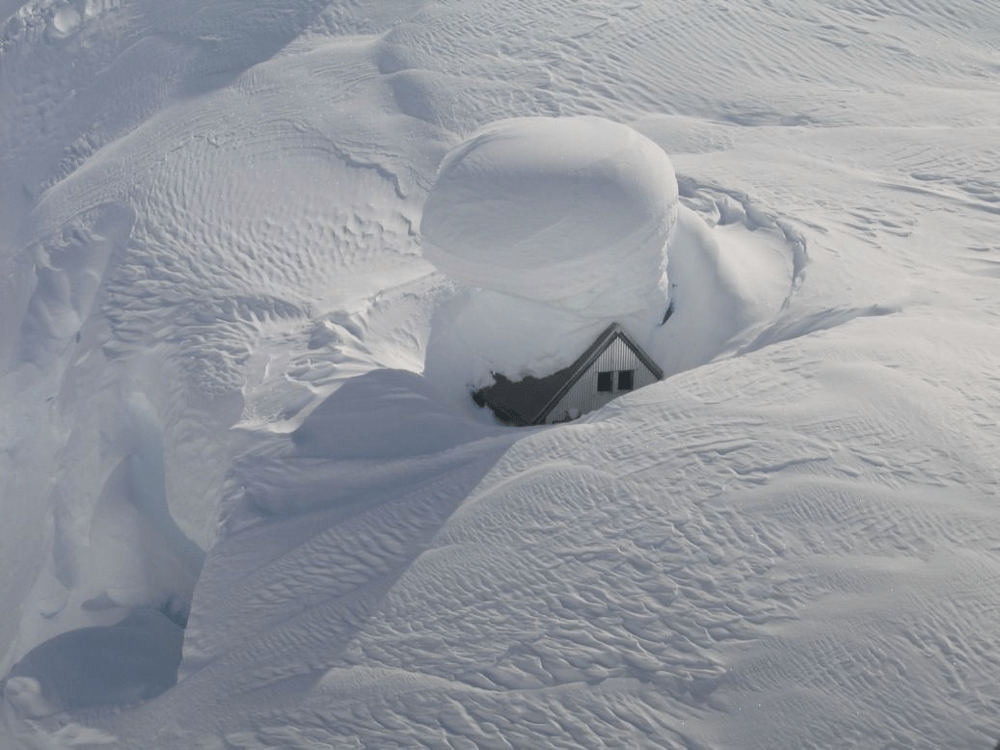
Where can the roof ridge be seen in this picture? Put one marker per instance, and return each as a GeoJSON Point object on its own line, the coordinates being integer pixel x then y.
{"type": "Point", "coordinates": [592, 353]}
{"type": "Point", "coordinates": [527, 411]}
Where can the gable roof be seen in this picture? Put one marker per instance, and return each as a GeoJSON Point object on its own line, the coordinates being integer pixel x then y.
{"type": "Point", "coordinates": [529, 401]}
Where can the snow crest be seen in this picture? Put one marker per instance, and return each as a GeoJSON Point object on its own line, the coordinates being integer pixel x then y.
{"type": "Point", "coordinates": [209, 219]}
{"type": "Point", "coordinates": [574, 212]}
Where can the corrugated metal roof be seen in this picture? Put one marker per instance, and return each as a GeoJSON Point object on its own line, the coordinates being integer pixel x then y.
{"type": "Point", "coordinates": [528, 401]}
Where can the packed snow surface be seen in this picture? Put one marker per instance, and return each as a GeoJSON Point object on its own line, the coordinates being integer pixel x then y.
{"type": "Point", "coordinates": [575, 212]}
{"type": "Point", "coordinates": [233, 388]}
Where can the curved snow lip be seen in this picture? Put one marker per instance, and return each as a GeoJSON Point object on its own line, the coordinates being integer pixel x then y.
{"type": "Point", "coordinates": [734, 269]}
{"type": "Point", "coordinates": [388, 421]}
{"type": "Point", "coordinates": [767, 241]}
{"type": "Point", "coordinates": [789, 327]}
{"type": "Point", "coordinates": [382, 415]}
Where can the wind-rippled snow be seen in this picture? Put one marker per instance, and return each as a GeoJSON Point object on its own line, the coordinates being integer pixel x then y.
{"type": "Point", "coordinates": [212, 211]}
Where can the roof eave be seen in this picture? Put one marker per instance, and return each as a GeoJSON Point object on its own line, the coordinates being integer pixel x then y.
{"type": "Point", "coordinates": [590, 356]}
{"type": "Point", "coordinates": [577, 369]}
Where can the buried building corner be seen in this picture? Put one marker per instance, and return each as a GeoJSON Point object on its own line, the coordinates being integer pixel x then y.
{"type": "Point", "coordinates": [612, 365]}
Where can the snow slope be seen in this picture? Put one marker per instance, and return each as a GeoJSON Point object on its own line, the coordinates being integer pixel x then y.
{"type": "Point", "coordinates": [219, 337]}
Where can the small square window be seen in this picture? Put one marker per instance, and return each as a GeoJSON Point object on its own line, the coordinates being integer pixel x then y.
{"type": "Point", "coordinates": [604, 382]}
{"type": "Point", "coordinates": [625, 380]}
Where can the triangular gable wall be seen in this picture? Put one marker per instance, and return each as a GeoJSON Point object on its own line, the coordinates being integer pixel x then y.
{"type": "Point", "coordinates": [581, 394]}
{"type": "Point", "coordinates": [534, 401]}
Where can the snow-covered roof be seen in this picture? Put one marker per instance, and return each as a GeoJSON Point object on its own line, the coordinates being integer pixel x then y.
{"type": "Point", "coordinates": [572, 212]}
{"type": "Point", "coordinates": [529, 401]}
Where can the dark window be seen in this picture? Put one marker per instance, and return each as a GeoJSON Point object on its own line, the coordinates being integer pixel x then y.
{"type": "Point", "coordinates": [604, 382]}
{"type": "Point", "coordinates": [625, 380]}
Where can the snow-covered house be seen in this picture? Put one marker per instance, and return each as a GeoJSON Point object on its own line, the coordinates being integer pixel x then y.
{"type": "Point", "coordinates": [614, 364]}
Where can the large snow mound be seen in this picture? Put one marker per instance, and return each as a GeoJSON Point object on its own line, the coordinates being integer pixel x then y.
{"type": "Point", "coordinates": [552, 228]}
{"type": "Point", "coordinates": [573, 211]}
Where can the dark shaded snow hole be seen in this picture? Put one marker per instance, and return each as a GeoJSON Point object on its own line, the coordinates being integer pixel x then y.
{"type": "Point", "coordinates": [111, 665]}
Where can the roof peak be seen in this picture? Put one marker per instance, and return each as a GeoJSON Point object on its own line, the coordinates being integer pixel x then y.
{"type": "Point", "coordinates": [529, 400]}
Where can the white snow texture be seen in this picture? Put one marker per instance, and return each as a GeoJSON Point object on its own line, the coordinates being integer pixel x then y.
{"type": "Point", "coordinates": [255, 255]}
{"type": "Point", "coordinates": [573, 212]}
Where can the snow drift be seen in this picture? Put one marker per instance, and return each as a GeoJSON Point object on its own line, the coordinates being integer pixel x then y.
{"type": "Point", "coordinates": [552, 228]}
{"type": "Point", "coordinates": [111, 665]}
{"type": "Point", "coordinates": [213, 296]}
{"type": "Point", "coordinates": [574, 212]}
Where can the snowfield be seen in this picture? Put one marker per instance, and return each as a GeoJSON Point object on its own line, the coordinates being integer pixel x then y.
{"type": "Point", "coordinates": [253, 256]}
